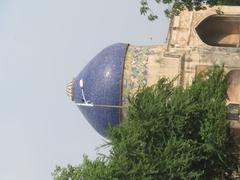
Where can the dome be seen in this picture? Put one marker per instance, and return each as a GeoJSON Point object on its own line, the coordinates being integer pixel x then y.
{"type": "Point", "coordinates": [102, 85]}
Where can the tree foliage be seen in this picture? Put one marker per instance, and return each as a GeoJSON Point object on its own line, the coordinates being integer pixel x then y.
{"type": "Point", "coordinates": [176, 6]}
{"type": "Point", "coordinates": [170, 133]}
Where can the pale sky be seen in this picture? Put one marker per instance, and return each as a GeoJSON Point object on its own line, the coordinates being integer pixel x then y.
{"type": "Point", "coordinates": [43, 44]}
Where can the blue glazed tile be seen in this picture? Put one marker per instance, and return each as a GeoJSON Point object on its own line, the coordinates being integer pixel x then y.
{"type": "Point", "coordinates": [102, 85]}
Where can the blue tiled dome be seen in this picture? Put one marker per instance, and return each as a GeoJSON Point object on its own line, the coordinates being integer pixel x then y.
{"type": "Point", "coordinates": [102, 79]}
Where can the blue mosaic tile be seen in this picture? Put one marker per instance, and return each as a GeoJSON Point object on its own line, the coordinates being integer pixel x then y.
{"type": "Point", "coordinates": [102, 85]}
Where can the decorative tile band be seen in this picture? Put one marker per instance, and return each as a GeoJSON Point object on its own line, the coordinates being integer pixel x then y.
{"type": "Point", "coordinates": [135, 70]}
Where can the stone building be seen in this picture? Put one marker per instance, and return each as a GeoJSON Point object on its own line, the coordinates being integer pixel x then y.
{"type": "Point", "coordinates": [196, 41]}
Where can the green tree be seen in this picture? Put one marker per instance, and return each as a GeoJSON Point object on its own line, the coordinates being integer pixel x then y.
{"type": "Point", "coordinates": [170, 133]}
{"type": "Point", "coordinates": [176, 6]}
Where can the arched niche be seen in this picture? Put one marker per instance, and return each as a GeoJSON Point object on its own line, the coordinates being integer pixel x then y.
{"type": "Point", "coordinates": [233, 91]}
{"type": "Point", "coordinates": [220, 30]}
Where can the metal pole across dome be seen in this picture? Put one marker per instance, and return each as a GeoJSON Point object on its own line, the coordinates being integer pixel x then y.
{"type": "Point", "coordinates": [88, 103]}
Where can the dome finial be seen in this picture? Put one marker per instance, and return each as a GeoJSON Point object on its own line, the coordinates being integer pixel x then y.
{"type": "Point", "coordinates": [69, 89]}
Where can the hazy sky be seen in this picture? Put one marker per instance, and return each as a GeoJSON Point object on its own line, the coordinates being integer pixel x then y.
{"type": "Point", "coordinates": [43, 44]}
